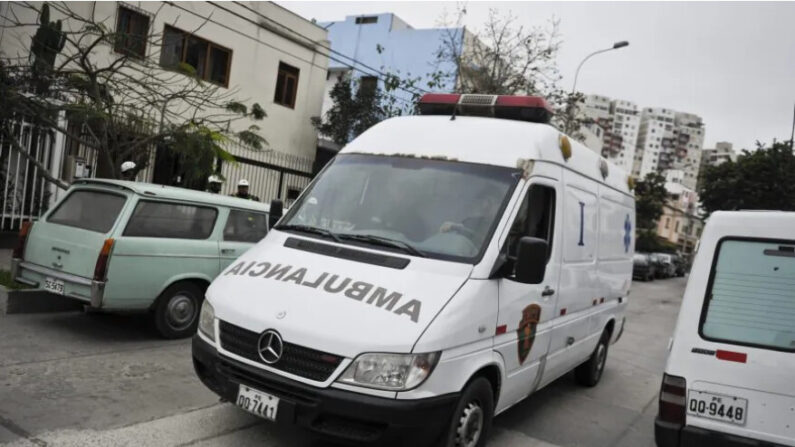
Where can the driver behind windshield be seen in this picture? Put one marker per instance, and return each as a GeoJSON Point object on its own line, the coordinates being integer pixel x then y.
{"type": "Point", "coordinates": [478, 222]}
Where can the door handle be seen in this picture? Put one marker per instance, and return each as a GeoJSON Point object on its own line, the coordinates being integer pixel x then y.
{"type": "Point", "coordinates": [548, 291]}
{"type": "Point", "coordinates": [227, 251]}
{"type": "Point", "coordinates": [569, 341]}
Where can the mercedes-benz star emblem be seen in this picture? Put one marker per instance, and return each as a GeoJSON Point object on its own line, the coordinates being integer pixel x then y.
{"type": "Point", "coordinates": [270, 346]}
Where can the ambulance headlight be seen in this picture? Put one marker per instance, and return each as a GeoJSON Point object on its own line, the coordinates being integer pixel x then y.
{"type": "Point", "coordinates": [207, 320]}
{"type": "Point", "coordinates": [394, 372]}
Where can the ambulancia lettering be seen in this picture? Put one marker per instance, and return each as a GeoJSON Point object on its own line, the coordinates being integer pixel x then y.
{"type": "Point", "coordinates": [361, 291]}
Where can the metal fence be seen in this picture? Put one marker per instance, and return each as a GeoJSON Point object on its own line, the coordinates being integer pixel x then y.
{"type": "Point", "coordinates": [271, 174]}
{"type": "Point", "coordinates": [26, 193]}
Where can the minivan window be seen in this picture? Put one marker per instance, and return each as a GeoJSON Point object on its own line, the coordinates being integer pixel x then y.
{"type": "Point", "coordinates": [751, 296]}
{"type": "Point", "coordinates": [245, 226]}
{"type": "Point", "coordinates": [171, 220]}
{"type": "Point", "coordinates": [444, 209]}
{"type": "Point", "coordinates": [89, 210]}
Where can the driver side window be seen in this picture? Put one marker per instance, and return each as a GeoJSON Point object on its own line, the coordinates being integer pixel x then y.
{"type": "Point", "coordinates": [536, 218]}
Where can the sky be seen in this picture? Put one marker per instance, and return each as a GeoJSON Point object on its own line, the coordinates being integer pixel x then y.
{"type": "Point", "coordinates": [731, 63]}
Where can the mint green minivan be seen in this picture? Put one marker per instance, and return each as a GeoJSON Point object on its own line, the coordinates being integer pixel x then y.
{"type": "Point", "coordinates": [127, 246]}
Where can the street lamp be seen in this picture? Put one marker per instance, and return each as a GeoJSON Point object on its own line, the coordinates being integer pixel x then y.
{"type": "Point", "coordinates": [615, 46]}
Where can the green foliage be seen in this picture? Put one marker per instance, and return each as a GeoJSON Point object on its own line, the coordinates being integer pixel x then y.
{"type": "Point", "coordinates": [353, 113]}
{"type": "Point", "coordinates": [650, 196]}
{"type": "Point", "coordinates": [236, 107]}
{"type": "Point", "coordinates": [759, 180]}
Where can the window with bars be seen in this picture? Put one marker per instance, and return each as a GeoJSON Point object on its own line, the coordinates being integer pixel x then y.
{"type": "Point", "coordinates": [286, 85]}
{"type": "Point", "coordinates": [132, 30]}
{"type": "Point", "coordinates": [211, 61]}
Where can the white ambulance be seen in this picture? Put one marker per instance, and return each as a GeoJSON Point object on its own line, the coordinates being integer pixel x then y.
{"type": "Point", "coordinates": [730, 376]}
{"type": "Point", "coordinates": [439, 270]}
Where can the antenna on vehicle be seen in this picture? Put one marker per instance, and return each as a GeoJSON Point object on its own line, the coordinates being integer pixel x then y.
{"type": "Point", "coordinates": [452, 117]}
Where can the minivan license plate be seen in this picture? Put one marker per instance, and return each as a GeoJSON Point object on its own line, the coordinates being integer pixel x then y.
{"type": "Point", "coordinates": [53, 285]}
{"type": "Point", "coordinates": [716, 406]}
{"type": "Point", "coordinates": [257, 402]}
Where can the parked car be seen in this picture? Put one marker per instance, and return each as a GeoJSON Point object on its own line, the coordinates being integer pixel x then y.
{"type": "Point", "coordinates": [642, 267]}
{"type": "Point", "coordinates": [422, 285]}
{"type": "Point", "coordinates": [728, 380]}
{"type": "Point", "coordinates": [664, 263]}
{"type": "Point", "coordinates": [121, 246]}
{"type": "Point", "coordinates": [681, 265]}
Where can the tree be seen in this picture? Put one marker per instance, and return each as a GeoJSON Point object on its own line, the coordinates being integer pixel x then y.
{"type": "Point", "coordinates": [650, 197]}
{"type": "Point", "coordinates": [357, 107]}
{"type": "Point", "coordinates": [759, 180]}
{"type": "Point", "coordinates": [126, 103]}
{"type": "Point", "coordinates": [505, 58]}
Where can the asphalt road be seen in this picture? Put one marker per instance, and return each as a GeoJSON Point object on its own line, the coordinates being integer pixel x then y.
{"type": "Point", "coordinates": [83, 379]}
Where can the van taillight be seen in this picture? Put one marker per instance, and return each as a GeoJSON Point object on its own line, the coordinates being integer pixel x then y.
{"type": "Point", "coordinates": [101, 269]}
{"type": "Point", "coordinates": [673, 399]}
{"type": "Point", "coordinates": [22, 239]}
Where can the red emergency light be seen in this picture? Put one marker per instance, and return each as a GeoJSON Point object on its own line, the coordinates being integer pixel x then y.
{"type": "Point", "coordinates": [523, 108]}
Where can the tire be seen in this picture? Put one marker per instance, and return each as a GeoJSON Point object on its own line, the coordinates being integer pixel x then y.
{"type": "Point", "coordinates": [176, 311]}
{"type": "Point", "coordinates": [589, 373]}
{"type": "Point", "coordinates": [473, 415]}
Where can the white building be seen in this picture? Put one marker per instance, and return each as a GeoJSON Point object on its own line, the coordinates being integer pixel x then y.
{"type": "Point", "coordinates": [721, 153]}
{"type": "Point", "coordinates": [261, 51]}
{"type": "Point", "coordinates": [611, 128]}
{"type": "Point", "coordinates": [669, 140]}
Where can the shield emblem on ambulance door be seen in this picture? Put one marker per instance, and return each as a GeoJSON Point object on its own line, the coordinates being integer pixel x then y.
{"type": "Point", "coordinates": [527, 330]}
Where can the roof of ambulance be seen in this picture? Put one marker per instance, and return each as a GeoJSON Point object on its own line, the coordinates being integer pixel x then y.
{"type": "Point", "coordinates": [751, 223]}
{"type": "Point", "coordinates": [491, 141]}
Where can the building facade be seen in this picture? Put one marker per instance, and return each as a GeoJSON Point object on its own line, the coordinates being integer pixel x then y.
{"type": "Point", "coordinates": [669, 140]}
{"type": "Point", "coordinates": [681, 223]}
{"type": "Point", "coordinates": [611, 128]}
{"type": "Point", "coordinates": [721, 153]}
{"type": "Point", "coordinates": [254, 52]}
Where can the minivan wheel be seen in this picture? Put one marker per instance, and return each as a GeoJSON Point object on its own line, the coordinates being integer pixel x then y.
{"type": "Point", "coordinates": [472, 417]}
{"type": "Point", "coordinates": [589, 373]}
{"type": "Point", "coordinates": [176, 312]}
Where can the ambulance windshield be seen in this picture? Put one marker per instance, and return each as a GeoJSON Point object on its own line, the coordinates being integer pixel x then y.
{"type": "Point", "coordinates": [435, 208]}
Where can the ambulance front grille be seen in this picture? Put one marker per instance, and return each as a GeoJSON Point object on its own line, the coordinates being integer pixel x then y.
{"type": "Point", "coordinates": [298, 360]}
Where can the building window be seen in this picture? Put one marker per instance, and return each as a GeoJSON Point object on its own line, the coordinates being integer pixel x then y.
{"type": "Point", "coordinates": [667, 222]}
{"type": "Point", "coordinates": [132, 29]}
{"type": "Point", "coordinates": [286, 85]}
{"type": "Point", "coordinates": [366, 20]}
{"type": "Point", "coordinates": [676, 227]}
{"type": "Point", "coordinates": [211, 61]}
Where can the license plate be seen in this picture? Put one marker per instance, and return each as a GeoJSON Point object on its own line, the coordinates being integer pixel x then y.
{"type": "Point", "coordinates": [257, 402]}
{"type": "Point", "coordinates": [53, 285]}
{"type": "Point", "coordinates": [717, 406]}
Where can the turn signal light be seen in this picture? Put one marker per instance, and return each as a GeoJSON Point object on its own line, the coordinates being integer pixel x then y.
{"type": "Point", "coordinates": [22, 239]}
{"type": "Point", "coordinates": [101, 268]}
{"type": "Point", "coordinates": [673, 399]}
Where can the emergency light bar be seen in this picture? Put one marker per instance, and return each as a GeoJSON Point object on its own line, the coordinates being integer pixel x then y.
{"type": "Point", "coordinates": [523, 108]}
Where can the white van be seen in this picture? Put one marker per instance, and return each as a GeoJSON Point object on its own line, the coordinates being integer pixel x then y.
{"type": "Point", "coordinates": [439, 270]}
{"type": "Point", "coordinates": [730, 377]}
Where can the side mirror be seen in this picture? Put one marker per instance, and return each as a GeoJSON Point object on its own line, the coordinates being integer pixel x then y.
{"type": "Point", "coordinates": [275, 213]}
{"type": "Point", "coordinates": [531, 260]}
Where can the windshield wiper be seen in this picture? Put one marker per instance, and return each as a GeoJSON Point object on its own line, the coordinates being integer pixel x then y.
{"type": "Point", "coordinates": [310, 229]}
{"type": "Point", "coordinates": [384, 241]}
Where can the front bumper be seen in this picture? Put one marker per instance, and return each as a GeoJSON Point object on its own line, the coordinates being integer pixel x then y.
{"type": "Point", "coordinates": [340, 414]}
{"type": "Point", "coordinates": [90, 291]}
{"type": "Point", "coordinates": [674, 435]}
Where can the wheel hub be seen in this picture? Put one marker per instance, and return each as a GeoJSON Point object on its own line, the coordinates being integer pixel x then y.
{"type": "Point", "coordinates": [470, 426]}
{"type": "Point", "coordinates": [181, 312]}
{"type": "Point", "coordinates": [601, 356]}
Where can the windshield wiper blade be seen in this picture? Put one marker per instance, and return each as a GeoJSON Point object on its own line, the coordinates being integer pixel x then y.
{"type": "Point", "coordinates": [310, 229]}
{"type": "Point", "coordinates": [386, 242]}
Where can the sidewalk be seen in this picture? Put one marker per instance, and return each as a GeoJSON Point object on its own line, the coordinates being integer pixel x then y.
{"type": "Point", "coordinates": [5, 258]}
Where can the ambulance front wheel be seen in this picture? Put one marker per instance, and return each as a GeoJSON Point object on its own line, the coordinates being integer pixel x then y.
{"type": "Point", "coordinates": [471, 420]}
{"type": "Point", "coordinates": [589, 373]}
